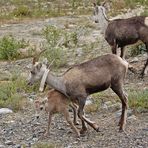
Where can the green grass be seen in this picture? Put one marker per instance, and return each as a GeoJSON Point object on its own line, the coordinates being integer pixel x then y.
{"type": "Point", "coordinates": [9, 47]}
{"type": "Point", "coordinates": [138, 100]}
{"type": "Point", "coordinates": [145, 13]}
{"type": "Point", "coordinates": [43, 145]}
{"type": "Point", "coordinates": [16, 9]}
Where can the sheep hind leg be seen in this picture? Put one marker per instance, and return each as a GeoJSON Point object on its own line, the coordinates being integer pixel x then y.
{"type": "Point", "coordinates": [83, 118]}
{"type": "Point", "coordinates": [122, 55]}
{"type": "Point", "coordinates": [66, 115]}
{"type": "Point", "coordinates": [145, 68]}
{"type": "Point", "coordinates": [119, 91]}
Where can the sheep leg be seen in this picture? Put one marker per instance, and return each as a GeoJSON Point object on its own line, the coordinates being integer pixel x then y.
{"type": "Point", "coordinates": [122, 52]}
{"type": "Point", "coordinates": [83, 118]}
{"type": "Point", "coordinates": [145, 68]}
{"type": "Point", "coordinates": [67, 117]}
{"type": "Point", "coordinates": [119, 91]}
{"type": "Point", "coordinates": [74, 108]}
{"type": "Point", "coordinates": [114, 48]}
{"type": "Point", "coordinates": [49, 122]}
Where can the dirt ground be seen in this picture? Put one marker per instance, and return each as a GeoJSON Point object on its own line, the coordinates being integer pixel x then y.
{"type": "Point", "coordinates": [22, 129]}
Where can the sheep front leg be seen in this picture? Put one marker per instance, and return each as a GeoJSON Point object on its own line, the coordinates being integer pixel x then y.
{"type": "Point", "coordinates": [48, 127]}
{"type": "Point", "coordinates": [114, 48]}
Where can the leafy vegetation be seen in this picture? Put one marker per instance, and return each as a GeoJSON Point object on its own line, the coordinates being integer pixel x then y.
{"type": "Point", "coordinates": [9, 47]}
{"type": "Point", "coordinates": [57, 41]}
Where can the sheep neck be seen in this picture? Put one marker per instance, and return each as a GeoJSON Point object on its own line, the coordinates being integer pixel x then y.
{"type": "Point", "coordinates": [103, 21]}
{"type": "Point", "coordinates": [56, 82]}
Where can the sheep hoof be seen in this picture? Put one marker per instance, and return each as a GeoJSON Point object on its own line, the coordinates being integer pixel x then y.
{"type": "Point", "coordinates": [98, 129]}
{"type": "Point", "coordinates": [83, 131]}
{"type": "Point", "coordinates": [76, 123]}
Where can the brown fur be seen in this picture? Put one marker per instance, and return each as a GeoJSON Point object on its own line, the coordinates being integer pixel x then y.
{"type": "Point", "coordinates": [122, 32]}
{"type": "Point", "coordinates": [101, 73]}
{"type": "Point", "coordinates": [57, 103]}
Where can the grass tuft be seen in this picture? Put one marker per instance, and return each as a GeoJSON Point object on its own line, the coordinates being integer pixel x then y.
{"type": "Point", "coordinates": [138, 100]}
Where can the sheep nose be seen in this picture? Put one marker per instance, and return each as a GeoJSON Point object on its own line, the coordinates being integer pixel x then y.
{"type": "Point", "coordinates": [96, 21]}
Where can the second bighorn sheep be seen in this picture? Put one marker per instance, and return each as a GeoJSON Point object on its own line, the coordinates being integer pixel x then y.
{"type": "Point", "coordinates": [122, 32]}
{"type": "Point", "coordinates": [101, 73]}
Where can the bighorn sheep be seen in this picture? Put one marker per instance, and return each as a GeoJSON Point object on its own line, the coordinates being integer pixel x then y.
{"type": "Point", "coordinates": [122, 32]}
{"type": "Point", "coordinates": [101, 73]}
{"type": "Point", "coordinates": [53, 103]}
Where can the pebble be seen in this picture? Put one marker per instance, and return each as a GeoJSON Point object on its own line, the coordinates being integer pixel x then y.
{"type": "Point", "coordinates": [5, 111]}
{"type": "Point", "coordinates": [132, 117]}
{"type": "Point", "coordinates": [8, 142]}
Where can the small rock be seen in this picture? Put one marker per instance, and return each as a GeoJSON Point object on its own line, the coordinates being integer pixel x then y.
{"type": "Point", "coordinates": [132, 117]}
{"type": "Point", "coordinates": [108, 103]}
{"type": "Point", "coordinates": [118, 113]}
{"type": "Point", "coordinates": [2, 146]}
{"type": "Point", "coordinates": [134, 60]}
{"type": "Point", "coordinates": [104, 106]}
{"type": "Point", "coordinates": [18, 146]}
{"type": "Point", "coordinates": [5, 111]}
{"type": "Point", "coordinates": [8, 142]}
{"type": "Point", "coordinates": [88, 102]}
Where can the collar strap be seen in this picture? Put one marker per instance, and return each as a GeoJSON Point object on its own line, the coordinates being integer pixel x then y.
{"type": "Point", "coordinates": [43, 80]}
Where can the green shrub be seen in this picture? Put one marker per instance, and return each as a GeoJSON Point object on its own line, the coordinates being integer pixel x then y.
{"type": "Point", "coordinates": [137, 49]}
{"type": "Point", "coordinates": [9, 48]}
{"type": "Point", "coordinates": [11, 93]}
{"type": "Point", "coordinates": [22, 11]}
{"type": "Point", "coordinates": [58, 41]}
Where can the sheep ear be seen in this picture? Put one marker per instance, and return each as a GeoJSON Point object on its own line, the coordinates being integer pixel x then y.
{"type": "Point", "coordinates": [95, 4]}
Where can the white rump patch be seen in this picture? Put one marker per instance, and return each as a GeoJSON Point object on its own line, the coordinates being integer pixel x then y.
{"type": "Point", "coordinates": [146, 21]}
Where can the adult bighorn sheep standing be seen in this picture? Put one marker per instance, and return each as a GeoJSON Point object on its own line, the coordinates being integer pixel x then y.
{"type": "Point", "coordinates": [101, 73]}
{"type": "Point", "coordinates": [122, 32]}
